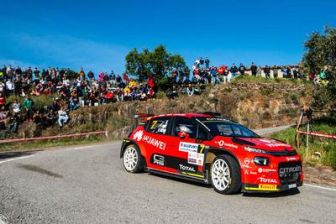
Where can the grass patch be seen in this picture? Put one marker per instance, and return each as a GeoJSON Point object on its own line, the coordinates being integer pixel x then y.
{"type": "Point", "coordinates": [321, 151]}
{"type": "Point", "coordinates": [258, 79]}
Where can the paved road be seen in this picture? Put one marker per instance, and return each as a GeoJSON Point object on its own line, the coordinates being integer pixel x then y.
{"type": "Point", "coordinates": [88, 185]}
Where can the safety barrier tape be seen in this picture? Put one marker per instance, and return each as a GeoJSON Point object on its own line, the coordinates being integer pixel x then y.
{"type": "Point", "coordinates": [317, 134]}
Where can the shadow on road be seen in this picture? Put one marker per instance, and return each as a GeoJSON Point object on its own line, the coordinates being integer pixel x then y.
{"type": "Point", "coordinates": [273, 195]}
{"type": "Point", "coordinates": [40, 170]}
{"type": "Point", "coordinates": [259, 195]}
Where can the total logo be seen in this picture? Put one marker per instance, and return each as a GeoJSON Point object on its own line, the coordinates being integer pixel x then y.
{"type": "Point", "coordinates": [187, 168]}
{"type": "Point", "coordinates": [266, 180]}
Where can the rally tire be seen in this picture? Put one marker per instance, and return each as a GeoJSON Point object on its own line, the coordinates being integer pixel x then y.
{"type": "Point", "coordinates": [132, 159]}
{"type": "Point", "coordinates": [225, 175]}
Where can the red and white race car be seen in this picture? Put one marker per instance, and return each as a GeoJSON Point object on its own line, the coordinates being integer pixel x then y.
{"type": "Point", "coordinates": [214, 150]}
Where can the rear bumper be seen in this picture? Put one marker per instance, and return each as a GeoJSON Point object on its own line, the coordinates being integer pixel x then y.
{"type": "Point", "coordinates": [269, 188]}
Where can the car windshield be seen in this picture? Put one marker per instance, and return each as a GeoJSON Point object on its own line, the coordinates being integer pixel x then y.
{"type": "Point", "coordinates": [228, 129]}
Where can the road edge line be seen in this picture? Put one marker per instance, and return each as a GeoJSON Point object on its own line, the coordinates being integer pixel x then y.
{"type": "Point", "coordinates": [320, 187]}
{"type": "Point", "coordinates": [13, 159]}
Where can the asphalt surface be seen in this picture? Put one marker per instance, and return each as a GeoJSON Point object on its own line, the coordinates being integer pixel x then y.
{"type": "Point", "coordinates": [87, 184]}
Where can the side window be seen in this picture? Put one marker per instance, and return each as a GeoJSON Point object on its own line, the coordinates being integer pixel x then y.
{"type": "Point", "coordinates": [237, 131]}
{"type": "Point", "coordinates": [201, 133]}
{"type": "Point", "coordinates": [185, 125]}
{"type": "Point", "coordinates": [225, 129]}
{"type": "Point", "coordinates": [158, 126]}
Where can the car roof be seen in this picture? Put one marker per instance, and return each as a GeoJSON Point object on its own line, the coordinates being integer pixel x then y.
{"type": "Point", "coordinates": [187, 115]}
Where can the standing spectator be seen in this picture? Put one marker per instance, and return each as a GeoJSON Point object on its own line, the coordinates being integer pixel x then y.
{"type": "Point", "coordinates": [207, 62]}
{"type": "Point", "coordinates": [90, 75]}
{"type": "Point", "coordinates": [267, 71]}
{"type": "Point", "coordinates": [81, 74]}
{"type": "Point", "coordinates": [37, 73]}
{"type": "Point", "coordinates": [254, 69]}
{"type": "Point", "coordinates": [233, 70]}
{"type": "Point", "coordinates": [28, 106]}
{"type": "Point", "coordinates": [2, 87]}
{"type": "Point", "coordinates": [9, 87]}
{"type": "Point", "coordinates": [242, 69]}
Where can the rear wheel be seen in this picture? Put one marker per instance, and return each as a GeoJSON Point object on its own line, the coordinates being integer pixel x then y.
{"type": "Point", "coordinates": [225, 175]}
{"type": "Point", "coordinates": [132, 159]}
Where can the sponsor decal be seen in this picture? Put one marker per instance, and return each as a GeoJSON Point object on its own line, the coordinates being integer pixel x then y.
{"type": "Point", "coordinates": [221, 143]}
{"type": "Point", "coordinates": [158, 160]}
{"type": "Point", "coordinates": [187, 168]}
{"type": "Point", "coordinates": [273, 143]}
{"type": "Point", "coordinates": [138, 135]}
{"type": "Point", "coordinates": [294, 169]}
{"type": "Point", "coordinates": [266, 170]}
{"type": "Point", "coordinates": [266, 180]}
{"type": "Point", "coordinates": [267, 187]}
{"type": "Point", "coordinates": [188, 147]}
{"type": "Point", "coordinates": [195, 158]}
{"type": "Point", "coordinates": [154, 142]}
{"type": "Point", "coordinates": [247, 161]}
{"type": "Point", "coordinates": [291, 158]}
{"type": "Point", "coordinates": [247, 172]}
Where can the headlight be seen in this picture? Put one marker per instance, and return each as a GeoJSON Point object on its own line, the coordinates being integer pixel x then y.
{"type": "Point", "coordinates": [262, 161]}
{"type": "Point", "coordinates": [250, 149]}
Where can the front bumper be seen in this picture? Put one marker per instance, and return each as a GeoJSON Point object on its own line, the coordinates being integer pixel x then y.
{"type": "Point", "coordinates": [269, 188]}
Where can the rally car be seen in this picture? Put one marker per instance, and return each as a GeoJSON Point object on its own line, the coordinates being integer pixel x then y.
{"type": "Point", "coordinates": [213, 150]}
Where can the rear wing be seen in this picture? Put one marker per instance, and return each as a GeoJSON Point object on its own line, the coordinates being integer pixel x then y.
{"type": "Point", "coordinates": [140, 119]}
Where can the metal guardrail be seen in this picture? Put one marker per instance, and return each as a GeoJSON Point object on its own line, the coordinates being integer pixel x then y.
{"type": "Point", "coordinates": [14, 140]}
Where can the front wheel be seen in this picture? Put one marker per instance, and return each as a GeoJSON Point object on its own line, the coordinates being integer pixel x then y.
{"type": "Point", "coordinates": [132, 159]}
{"type": "Point", "coordinates": [225, 175]}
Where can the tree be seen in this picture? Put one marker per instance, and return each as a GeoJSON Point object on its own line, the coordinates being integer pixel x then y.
{"type": "Point", "coordinates": [321, 56]}
{"type": "Point", "coordinates": [158, 63]}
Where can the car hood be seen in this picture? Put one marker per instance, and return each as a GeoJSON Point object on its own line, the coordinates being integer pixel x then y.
{"type": "Point", "coordinates": [264, 143]}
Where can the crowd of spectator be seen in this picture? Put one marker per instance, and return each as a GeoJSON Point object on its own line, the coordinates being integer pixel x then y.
{"type": "Point", "coordinates": [71, 90]}
{"type": "Point", "coordinates": [204, 73]}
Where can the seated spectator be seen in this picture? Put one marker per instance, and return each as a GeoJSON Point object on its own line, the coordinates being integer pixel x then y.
{"type": "Point", "coordinates": [2, 99]}
{"type": "Point", "coordinates": [13, 123]}
{"type": "Point", "coordinates": [16, 107]}
{"type": "Point", "coordinates": [73, 104]}
{"type": "Point", "coordinates": [190, 90]}
{"type": "Point", "coordinates": [62, 117]}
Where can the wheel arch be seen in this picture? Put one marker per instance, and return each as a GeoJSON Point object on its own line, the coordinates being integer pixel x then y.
{"type": "Point", "coordinates": [213, 152]}
{"type": "Point", "coordinates": [127, 142]}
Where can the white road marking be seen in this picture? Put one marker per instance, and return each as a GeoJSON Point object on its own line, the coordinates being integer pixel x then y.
{"type": "Point", "coordinates": [83, 147]}
{"type": "Point", "coordinates": [320, 187]}
{"type": "Point", "coordinates": [18, 158]}
{"type": "Point", "coordinates": [2, 219]}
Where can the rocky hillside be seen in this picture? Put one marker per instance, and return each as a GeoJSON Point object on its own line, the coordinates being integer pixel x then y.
{"type": "Point", "coordinates": [256, 103]}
